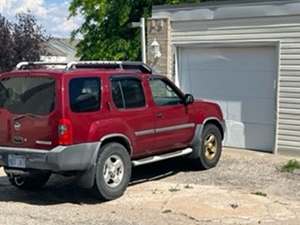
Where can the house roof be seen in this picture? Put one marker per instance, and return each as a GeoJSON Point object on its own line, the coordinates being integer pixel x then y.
{"type": "Point", "coordinates": [61, 47]}
{"type": "Point", "coordinates": [227, 9]}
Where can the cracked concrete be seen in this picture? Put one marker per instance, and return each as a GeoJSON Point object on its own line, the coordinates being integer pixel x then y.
{"type": "Point", "coordinates": [246, 188]}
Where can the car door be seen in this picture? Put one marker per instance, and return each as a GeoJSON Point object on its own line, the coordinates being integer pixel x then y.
{"type": "Point", "coordinates": [131, 106]}
{"type": "Point", "coordinates": [173, 124]}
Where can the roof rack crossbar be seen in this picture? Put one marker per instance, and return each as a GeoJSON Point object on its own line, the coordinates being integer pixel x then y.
{"type": "Point", "coordinates": [91, 64]}
{"type": "Point", "coordinates": [113, 64]}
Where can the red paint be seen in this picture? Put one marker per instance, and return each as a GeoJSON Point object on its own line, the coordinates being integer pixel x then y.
{"type": "Point", "coordinates": [92, 126]}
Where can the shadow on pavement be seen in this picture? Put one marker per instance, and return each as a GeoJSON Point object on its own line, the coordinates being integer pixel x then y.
{"type": "Point", "coordinates": [61, 190]}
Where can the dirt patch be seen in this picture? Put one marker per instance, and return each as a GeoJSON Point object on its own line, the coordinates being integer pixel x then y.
{"type": "Point", "coordinates": [249, 171]}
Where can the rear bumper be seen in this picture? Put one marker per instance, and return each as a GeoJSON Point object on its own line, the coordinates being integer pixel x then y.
{"type": "Point", "coordinates": [62, 158]}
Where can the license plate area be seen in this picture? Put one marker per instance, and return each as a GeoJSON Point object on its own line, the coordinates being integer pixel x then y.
{"type": "Point", "coordinates": [16, 161]}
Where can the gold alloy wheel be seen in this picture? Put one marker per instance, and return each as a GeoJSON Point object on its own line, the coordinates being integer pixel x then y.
{"type": "Point", "coordinates": [210, 146]}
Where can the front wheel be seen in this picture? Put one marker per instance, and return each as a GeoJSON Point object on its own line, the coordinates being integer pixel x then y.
{"type": "Point", "coordinates": [209, 153]}
{"type": "Point", "coordinates": [113, 171]}
{"type": "Point", "coordinates": [30, 182]}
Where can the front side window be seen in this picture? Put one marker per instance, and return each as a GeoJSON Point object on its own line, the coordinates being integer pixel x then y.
{"type": "Point", "coordinates": [128, 93]}
{"type": "Point", "coordinates": [22, 95]}
{"type": "Point", "coordinates": [85, 94]}
{"type": "Point", "coordinates": [163, 93]}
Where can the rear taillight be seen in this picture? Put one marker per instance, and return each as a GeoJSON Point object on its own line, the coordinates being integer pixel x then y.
{"type": "Point", "coordinates": [65, 132]}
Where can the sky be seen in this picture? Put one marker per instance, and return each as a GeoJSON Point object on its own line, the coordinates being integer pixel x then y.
{"type": "Point", "coordinates": [51, 14]}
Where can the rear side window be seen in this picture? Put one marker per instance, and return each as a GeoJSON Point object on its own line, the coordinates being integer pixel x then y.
{"type": "Point", "coordinates": [85, 94]}
{"type": "Point", "coordinates": [128, 93]}
{"type": "Point", "coordinates": [33, 95]}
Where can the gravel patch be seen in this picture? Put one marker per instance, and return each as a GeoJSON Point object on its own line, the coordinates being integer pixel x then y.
{"type": "Point", "coordinates": [238, 169]}
{"type": "Point", "coordinates": [245, 188]}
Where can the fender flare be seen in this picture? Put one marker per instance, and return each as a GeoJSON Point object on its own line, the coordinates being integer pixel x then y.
{"type": "Point", "coordinates": [87, 178]}
{"type": "Point", "coordinates": [197, 139]}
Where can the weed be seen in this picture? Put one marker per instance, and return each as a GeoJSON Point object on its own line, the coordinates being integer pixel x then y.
{"type": "Point", "coordinates": [167, 211]}
{"type": "Point", "coordinates": [174, 189]}
{"type": "Point", "coordinates": [290, 166]}
{"type": "Point", "coordinates": [188, 186]}
{"type": "Point", "coordinates": [259, 193]}
{"type": "Point", "coordinates": [234, 205]}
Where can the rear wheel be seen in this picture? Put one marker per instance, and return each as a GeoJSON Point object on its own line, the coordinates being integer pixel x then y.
{"type": "Point", "coordinates": [209, 153]}
{"type": "Point", "coordinates": [113, 171]}
{"type": "Point", "coordinates": [30, 182]}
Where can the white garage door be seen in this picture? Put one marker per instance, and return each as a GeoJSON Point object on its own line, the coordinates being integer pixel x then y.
{"type": "Point", "coordinates": [243, 82]}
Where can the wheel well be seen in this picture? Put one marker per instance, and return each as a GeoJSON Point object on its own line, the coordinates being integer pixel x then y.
{"type": "Point", "coordinates": [217, 124]}
{"type": "Point", "coordinates": [120, 140]}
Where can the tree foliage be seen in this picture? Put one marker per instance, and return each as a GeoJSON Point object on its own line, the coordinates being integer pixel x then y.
{"type": "Point", "coordinates": [6, 45]}
{"type": "Point", "coordinates": [106, 32]}
{"type": "Point", "coordinates": [20, 41]}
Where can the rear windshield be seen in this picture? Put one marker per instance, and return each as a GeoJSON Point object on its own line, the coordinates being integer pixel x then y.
{"type": "Point", "coordinates": [21, 95]}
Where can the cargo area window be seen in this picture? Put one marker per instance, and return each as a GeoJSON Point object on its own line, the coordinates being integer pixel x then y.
{"type": "Point", "coordinates": [27, 95]}
{"type": "Point", "coordinates": [85, 94]}
{"type": "Point", "coordinates": [128, 93]}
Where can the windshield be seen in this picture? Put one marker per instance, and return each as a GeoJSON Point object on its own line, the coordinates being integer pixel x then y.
{"type": "Point", "coordinates": [32, 95]}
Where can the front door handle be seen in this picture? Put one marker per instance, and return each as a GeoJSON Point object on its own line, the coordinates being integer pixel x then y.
{"type": "Point", "coordinates": [159, 115]}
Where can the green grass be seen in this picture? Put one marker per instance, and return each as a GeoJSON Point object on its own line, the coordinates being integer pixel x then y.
{"type": "Point", "coordinates": [259, 193]}
{"type": "Point", "coordinates": [290, 166]}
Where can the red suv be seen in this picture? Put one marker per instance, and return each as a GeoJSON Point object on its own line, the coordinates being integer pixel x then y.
{"type": "Point", "coordinates": [96, 120]}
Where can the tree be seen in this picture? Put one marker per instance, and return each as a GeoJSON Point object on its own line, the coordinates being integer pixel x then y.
{"type": "Point", "coordinates": [20, 41]}
{"type": "Point", "coordinates": [106, 32]}
{"type": "Point", "coordinates": [6, 45]}
{"type": "Point", "coordinates": [28, 38]}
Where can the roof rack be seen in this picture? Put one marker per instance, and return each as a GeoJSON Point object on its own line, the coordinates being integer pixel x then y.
{"type": "Point", "coordinates": [26, 65]}
{"type": "Point", "coordinates": [125, 65]}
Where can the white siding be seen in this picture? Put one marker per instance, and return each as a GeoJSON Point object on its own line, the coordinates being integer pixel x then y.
{"type": "Point", "coordinates": [284, 30]}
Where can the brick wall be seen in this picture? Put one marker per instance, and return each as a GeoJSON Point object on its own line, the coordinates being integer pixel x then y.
{"type": "Point", "coordinates": [159, 30]}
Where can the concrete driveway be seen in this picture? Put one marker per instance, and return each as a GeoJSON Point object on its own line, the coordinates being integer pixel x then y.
{"type": "Point", "coordinates": [245, 188]}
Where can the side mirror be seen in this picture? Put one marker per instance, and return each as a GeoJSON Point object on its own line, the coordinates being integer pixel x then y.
{"type": "Point", "coordinates": [188, 99]}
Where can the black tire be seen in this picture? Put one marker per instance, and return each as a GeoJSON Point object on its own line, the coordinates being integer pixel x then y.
{"type": "Point", "coordinates": [206, 158]}
{"type": "Point", "coordinates": [105, 188]}
{"type": "Point", "coordinates": [31, 182]}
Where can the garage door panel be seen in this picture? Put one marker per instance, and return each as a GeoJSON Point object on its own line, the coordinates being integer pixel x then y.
{"type": "Point", "coordinates": [242, 82]}
{"type": "Point", "coordinates": [243, 111]}
{"type": "Point", "coordinates": [251, 111]}
{"type": "Point", "coordinates": [226, 57]}
{"type": "Point", "coordinates": [249, 135]}
{"type": "Point", "coordinates": [232, 83]}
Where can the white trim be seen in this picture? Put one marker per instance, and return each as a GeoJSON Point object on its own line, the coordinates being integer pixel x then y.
{"type": "Point", "coordinates": [144, 132]}
{"type": "Point", "coordinates": [112, 135]}
{"type": "Point", "coordinates": [177, 55]}
{"type": "Point", "coordinates": [278, 48]}
{"type": "Point", "coordinates": [43, 142]}
{"type": "Point", "coordinates": [176, 127]}
{"type": "Point", "coordinates": [164, 129]}
{"type": "Point", "coordinates": [228, 10]}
